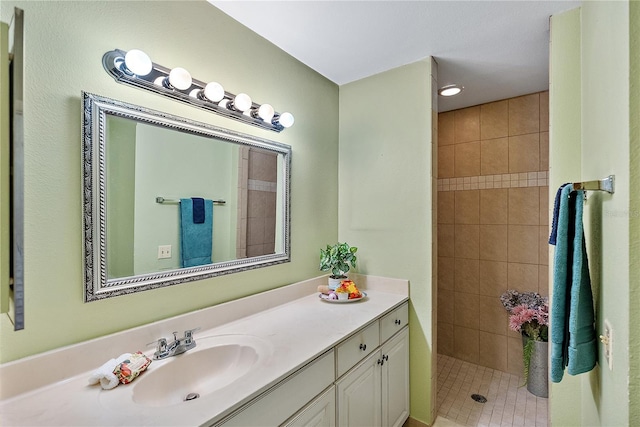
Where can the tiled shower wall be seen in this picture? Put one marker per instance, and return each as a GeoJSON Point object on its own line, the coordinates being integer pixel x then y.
{"type": "Point", "coordinates": [493, 162]}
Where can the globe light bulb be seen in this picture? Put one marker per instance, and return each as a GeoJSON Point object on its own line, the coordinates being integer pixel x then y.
{"type": "Point", "coordinates": [266, 112]}
{"type": "Point", "coordinates": [242, 102]}
{"type": "Point", "coordinates": [286, 120]}
{"type": "Point", "coordinates": [138, 62]}
{"type": "Point", "coordinates": [214, 92]}
{"type": "Point", "coordinates": [180, 78]}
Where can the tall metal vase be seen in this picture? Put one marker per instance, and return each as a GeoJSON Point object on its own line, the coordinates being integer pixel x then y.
{"type": "Point", "coordinates": [538, 378]}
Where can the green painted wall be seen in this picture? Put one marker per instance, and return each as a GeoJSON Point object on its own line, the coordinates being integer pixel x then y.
{"type": "Point", "coordinates": [634, 209]}
{"type": "Point", "coordinates": [65, 42]}
{"type": "Point", "coordinates": [598, 35]}
{"type": "Point", "coordinates": [385, 196]}
{"type": "Point", "coordinates": [564, 147]}
{"type": "Point", "coordinates": [176, 165]}
{"type": "Point", "coordinates": [120, 195]}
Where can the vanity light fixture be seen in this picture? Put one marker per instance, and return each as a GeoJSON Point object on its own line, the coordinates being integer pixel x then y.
{"type": "Point", "coordinates": [450, 90]}
{"type": "Point", "coordinates": [136, 68]}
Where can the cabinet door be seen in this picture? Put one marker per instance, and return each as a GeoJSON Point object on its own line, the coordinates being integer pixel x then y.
{"type": "Point", "coordinates": [320, 413]}
{"type": "Point", "coordinates": [395, 380]}
{"type": "Point", "coordinates": [359, 395]}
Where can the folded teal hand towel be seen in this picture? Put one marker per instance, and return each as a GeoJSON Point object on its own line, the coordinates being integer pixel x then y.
{"type": "Point", "coordinates": [196, 240]}
{"type": "Point", "coordinates": [573, 342]}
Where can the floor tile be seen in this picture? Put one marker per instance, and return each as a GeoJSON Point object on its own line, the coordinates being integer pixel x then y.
{"type": "Point", "coordinates": [508, 402]}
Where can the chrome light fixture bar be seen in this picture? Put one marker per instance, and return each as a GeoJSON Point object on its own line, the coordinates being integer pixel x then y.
{"type": "Point", "coordinates": [135, 68]}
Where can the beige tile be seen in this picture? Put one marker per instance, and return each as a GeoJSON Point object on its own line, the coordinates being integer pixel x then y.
{"type": "Point", "coordinates": [466, 275]}
{"type": "Point", "coordinates": [524, 153]}
{"type": "Point", "coordinates": [467, 159]}
{"type": "Point", "coordinates": [524, 206]}
{"type": "Point", "coordinates": [493, 206]}
{"type": "Point", "coordinates": [494, 156]}
{"type": "Point", "coordinates": [545, 213]}
{"type": "Point", "coordinates": [543, 280]}
{"type": "Point", "coordinates": [494, 120]}
{"type": "Point", "coordinates": [466, 344]}
{"type": "Point", "coordinates": [467, 124]}
{"type": "Point", "coordinates": [523, 244]}
{"type": "Point", "coordinates": [445, 306]}
{"type": "Point", "coordinates": [445, 338]}
{"type": "Point", "coordinates": [544, 111]}
{"type": "Point", "coordinates": [523, 277]}
{"type": "Point", "coordinates": [446, 131]}
{"type": "Point", "coordinates": [544, 151]}
{"type": "Point", "coordinates": [514, 356]}
{"type": "Point", "coordinates": [493, 278]}
{"type": "Point", "coordinates": [494, 316]}
{"type": "Point", "coordinates": [270, 232]}
{"type": "Point", "coordinates": [446, 207]}
{"type": "Point", "coordinates": [467, 207]}
{"type": "Point", "coordinates": [493, 351]}
{"type": "Point", "coordinates": [524, 114]}
{"type": "Point", "coordinates": [466, 310]}
{"type": "Point", "coordinates": [446, 162]}
{"type": "Point", "coordinates": [446, 268]}
{"type": "Point", "coordinates": [255, 231]}
{"type": "Point", "coordinates": [493, 242]}
{"type": "Point", "coordinates": [446, 241]}
{"type": "Point", "coordinates": [545, 230]}
{"type": "Point", "coordinates": [467, 241]}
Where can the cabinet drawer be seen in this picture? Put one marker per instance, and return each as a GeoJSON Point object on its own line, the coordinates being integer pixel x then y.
{"type": "Point", "coordinates": [275, 406]}
{"type": "Point", "coordinates": [357, 347]}
{"type": "Point", "coordinates": [393, 322]}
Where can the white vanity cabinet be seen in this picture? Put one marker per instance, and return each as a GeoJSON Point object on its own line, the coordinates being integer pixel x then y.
{"type": "Point", "coordinates": [362, 381]}
{"type": "Point", "coordinates": [376, 392]}
{"type": "Point", "coordinates": [274, 406]}
{"type": "Point", "coordinates": [319, 413]}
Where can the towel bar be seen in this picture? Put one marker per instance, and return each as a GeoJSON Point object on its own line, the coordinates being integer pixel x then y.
{"type": "Point", "coordinates": [607, 184]}
{"type": "Point", "coordinates": [161, 200]}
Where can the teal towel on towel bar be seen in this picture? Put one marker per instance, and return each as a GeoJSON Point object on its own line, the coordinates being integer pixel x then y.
{"type": "Point", "coordinates": [196, 240]}
{"type": "Point", "coordinates": [573, 337]}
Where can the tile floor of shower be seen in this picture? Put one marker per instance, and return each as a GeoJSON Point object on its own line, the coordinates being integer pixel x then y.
{"type": "Point", "coordinates": [508, 404]}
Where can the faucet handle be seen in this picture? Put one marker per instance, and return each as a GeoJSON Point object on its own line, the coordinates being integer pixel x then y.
{"type": "Point", "coordinates": [188, 335]}
{"type": "Point", "coordinates": [161, 347]}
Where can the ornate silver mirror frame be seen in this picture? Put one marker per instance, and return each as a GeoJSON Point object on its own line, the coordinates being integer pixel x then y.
{"type": "Point", "coordinates": [97, 284]}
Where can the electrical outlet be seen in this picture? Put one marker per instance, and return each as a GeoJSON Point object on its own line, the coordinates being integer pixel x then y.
{"type": "Point", "coordinates": [607, 339]}
{"type": "Point", "coordinates": [164, 251]}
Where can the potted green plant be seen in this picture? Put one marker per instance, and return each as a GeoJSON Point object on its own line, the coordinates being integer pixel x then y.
{"type": "Point", "coordinates": [338, 259]}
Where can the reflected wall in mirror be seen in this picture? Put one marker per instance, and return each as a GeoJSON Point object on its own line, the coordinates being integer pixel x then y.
{"type": "Point", "coordinates": [141, 169]}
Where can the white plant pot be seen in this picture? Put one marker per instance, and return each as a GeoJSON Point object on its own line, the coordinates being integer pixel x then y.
{"type": "Point", "coordinates": [335, 283]}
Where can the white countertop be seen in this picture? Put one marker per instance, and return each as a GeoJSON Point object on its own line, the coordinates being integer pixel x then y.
{"type": "Point", "coordinates": [296, 332]}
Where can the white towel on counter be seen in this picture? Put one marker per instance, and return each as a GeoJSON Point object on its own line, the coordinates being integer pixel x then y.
{"type": "Point", "coordinates": [104, 374]}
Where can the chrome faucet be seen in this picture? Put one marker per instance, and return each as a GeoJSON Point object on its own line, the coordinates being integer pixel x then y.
{"type": "Point", "coordinates": [177, 346]}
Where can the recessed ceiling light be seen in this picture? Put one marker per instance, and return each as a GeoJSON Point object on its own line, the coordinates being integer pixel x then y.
{"type": "Point", "coordinates": [450, 90]}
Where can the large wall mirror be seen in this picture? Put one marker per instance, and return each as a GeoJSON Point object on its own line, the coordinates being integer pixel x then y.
{"type": "Point", "coordinates": [169, 200]}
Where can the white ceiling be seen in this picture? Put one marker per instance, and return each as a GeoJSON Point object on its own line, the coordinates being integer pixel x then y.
{"type": "Point", "coordinates": [495, 49]}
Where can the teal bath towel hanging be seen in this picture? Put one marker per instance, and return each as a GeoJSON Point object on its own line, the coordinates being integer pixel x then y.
{"type": "Point", "coordinates": [196, 233]}
{"type": "Point", "coordinates": [573, 337]}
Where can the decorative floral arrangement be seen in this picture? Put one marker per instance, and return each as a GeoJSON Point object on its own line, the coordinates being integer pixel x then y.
{"type": "Point", "coordinates": [529, 315]}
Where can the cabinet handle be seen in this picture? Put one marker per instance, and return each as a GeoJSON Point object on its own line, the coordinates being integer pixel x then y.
{"type": "Point", "coordinates": [385, 357]}
{"type": "Point", "coordinates": [363, 347]}
{"type": "Point", "coordinates": [397, 322]}
{"type": "Point", "coordinates": [381, 361]}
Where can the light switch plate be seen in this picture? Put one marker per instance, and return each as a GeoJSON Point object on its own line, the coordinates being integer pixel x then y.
{"type": "Point", "coordinates": [164, 251]}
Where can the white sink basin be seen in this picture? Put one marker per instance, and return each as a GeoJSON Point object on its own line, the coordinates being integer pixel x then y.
{"type": "Point", "coordinates": [216, 363]}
